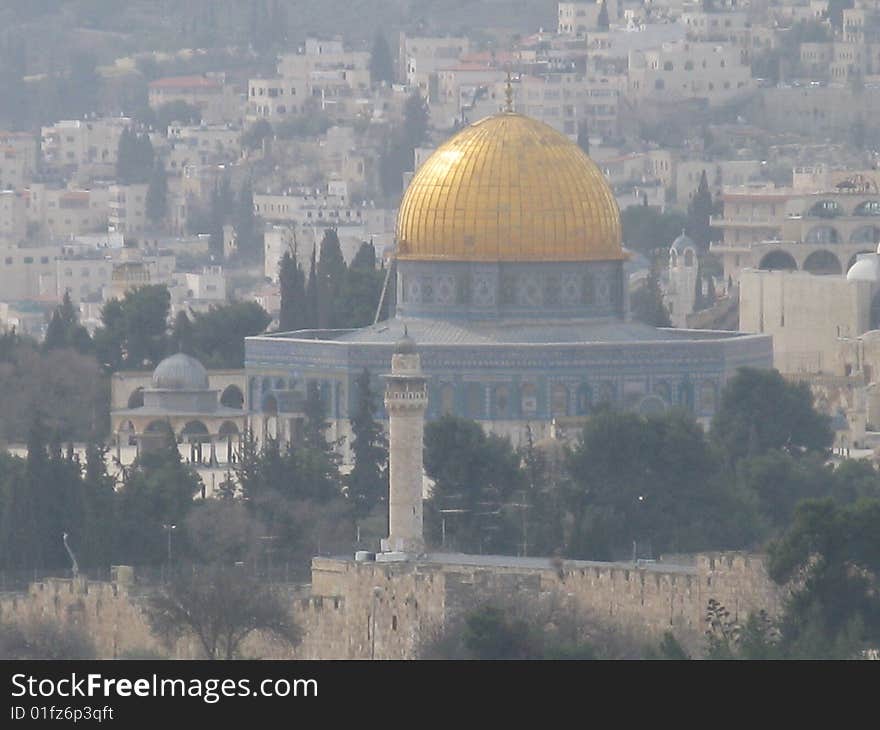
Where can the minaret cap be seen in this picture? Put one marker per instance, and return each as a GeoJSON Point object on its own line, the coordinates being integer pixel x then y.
{"type": "Point", "coordinates": [406, 345]}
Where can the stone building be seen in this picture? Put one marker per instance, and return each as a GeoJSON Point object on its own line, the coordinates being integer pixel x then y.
{"type": "Point", "coordinates": [511, 280]}
{"type": "Point", "coordinates": [180, 403]}
{"type": "Point", "coordinates": [820, 224]}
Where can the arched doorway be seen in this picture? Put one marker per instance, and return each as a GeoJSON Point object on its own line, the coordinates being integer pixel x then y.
{"type": "Point", "coordinates": [196, 434]}
{"type": "Point", "coordinates": [229, 432]}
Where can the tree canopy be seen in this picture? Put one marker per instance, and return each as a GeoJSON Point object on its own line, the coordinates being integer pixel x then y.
{"type": "Point", "coordinates": [760, 411]}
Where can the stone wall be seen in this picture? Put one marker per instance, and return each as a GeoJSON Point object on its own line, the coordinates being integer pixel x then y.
{"type": "Point", "coordinates": [385, 610]}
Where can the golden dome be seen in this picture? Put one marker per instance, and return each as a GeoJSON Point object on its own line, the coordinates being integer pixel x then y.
{"type": "Point", "coordinates": [509, 188]}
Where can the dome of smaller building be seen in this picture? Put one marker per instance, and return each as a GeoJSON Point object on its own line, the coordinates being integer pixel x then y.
{"type": "Point", "coordinates": [682, 242]}
{"type": "Point", "coordinates": [865, 269]}
{"type": "Point", "coordinates": [180, 372]}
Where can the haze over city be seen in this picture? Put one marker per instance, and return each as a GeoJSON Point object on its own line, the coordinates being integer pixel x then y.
{"type": "Point", "coordinates": [396, 329]}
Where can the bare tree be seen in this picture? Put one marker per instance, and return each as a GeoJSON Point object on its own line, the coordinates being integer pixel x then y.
{"type": "Point", "coordinates": [221, 606]}
{"type": "Point", "coordinates": [43, 638]}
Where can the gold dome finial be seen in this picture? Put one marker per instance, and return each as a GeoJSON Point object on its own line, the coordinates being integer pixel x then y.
{"type": "Point", "coordinates": [508, 95]}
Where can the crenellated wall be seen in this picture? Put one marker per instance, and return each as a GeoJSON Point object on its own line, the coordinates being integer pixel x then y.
{"type": "Point", "coordinates": [383, 610]}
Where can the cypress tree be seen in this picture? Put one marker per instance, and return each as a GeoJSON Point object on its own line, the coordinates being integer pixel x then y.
{"type": "Point", "coordinates": [331, 280]}
{"type": "Point", "coordinates": [182, 334]}
{"type": "Point", "coordinates": [381, 63]}
{"type": "Point", "coordinates": [292, 282]}
{"type": "Point", "coordinates": [367, 482]}
{"type": "Point", "coordinates": [312, 294]}
{"type": "Point", "coordinates": [699, 213]}
{"type": "Point", "coordinates": [603, 22]}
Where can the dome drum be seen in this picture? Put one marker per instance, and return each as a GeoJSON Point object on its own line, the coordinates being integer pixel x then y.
{"type": "Point", "coordinates": [478, 291]}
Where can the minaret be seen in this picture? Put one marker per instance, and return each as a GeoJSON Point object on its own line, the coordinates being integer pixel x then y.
{"type": "Point", "coordinates": [406, 399]}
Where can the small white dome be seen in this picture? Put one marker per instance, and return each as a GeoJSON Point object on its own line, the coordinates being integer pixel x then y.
{"type": "Point", "coordinates": [180, 372]}
{"type": "Point", "coordinates": [865, 268]}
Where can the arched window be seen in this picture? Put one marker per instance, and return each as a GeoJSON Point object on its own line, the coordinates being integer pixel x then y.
{"type": "Point", "coordinates": [865, 234]}
{"type": "Point", "coordinates": [584, 399]}
{"type": "Point", "coordinates": [826, 209]}
{"type": "Point", "coordinates": [707, 397]}
{"type": "Point", "coordinates": [869, 207]}
{"type": "Point", "coordinates": [136, 399]}
{"type": "Point", "coordinates": [232, 397]}
{"type": "Point", "coordinates": [474, 400]}
{"type": "Point", "coordinates": [501, 402]}
{"type": "Point", "coordinates": [559, 400]}
{"type": "Point", "coordinates": [528, 399]}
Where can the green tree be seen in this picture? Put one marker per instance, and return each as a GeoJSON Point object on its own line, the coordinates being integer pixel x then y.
{"type": "Point", "coordinates": [830, 554]}
{"type": "Point", "coordinates": [176, 111]}
{"type": "Point", "coordinates": [255, 135]}
{"type": "Point", "coordinates": [367, 483]}
{"type": "Point", "coordinates": [647, 303]}
{"type": "Point", "coordinates": [135, 160]}
{"type": "Point", "coordinates": [602, 22]}
{"type": "Point", "coordinates": [760, 411]}
{"type": "Point", "coordinates": [699, 213]}
{"type": "Point", "coordinates": [218, 334]}
{"type": "Point", "coordinates": [292, 282]}
{"type": "Point", "coordinates": [647, 230]}
{"type": "Point", "coordinates": [654, 481]}
{"type": "Point", "coordinates": [65, 330]}
{"type": "Point", "coordinates": [777, 482]}
{"type": "Point", "coordinates": [476, 477]}
{"type": "Point", "coordinates": [182, 334]}
{"type": "Point", "coordinates": [158, 491]}
{"type": "Point", "coordinates": [397, 156]}
{"type": "Point", "coordinates": [313, 294]}
{"type": "Point", "coordinates": [331, 281]}
{"type": "Point", "coordinates": [381, 62]}
{"type": "Point", "coordinates": [317, 458]}
{"type": "Point", "coordinates": [362, 290]}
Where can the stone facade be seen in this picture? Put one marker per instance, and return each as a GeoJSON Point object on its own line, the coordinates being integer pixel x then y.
{"type": "Point", "coordinates": [364, 610]}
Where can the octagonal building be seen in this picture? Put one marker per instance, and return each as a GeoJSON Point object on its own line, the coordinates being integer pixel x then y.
{"type": "Point", "coordinates": [510, 280]}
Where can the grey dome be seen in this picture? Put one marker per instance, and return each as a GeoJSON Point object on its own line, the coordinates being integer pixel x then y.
{"type": "Point", "coordinates": [682, 242]}
{"type": "Point", "coordinates": [180, 372]}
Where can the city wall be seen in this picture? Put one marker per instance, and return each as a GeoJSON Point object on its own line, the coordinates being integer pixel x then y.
{"type": "Point", "coordinates": [385, 610]}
